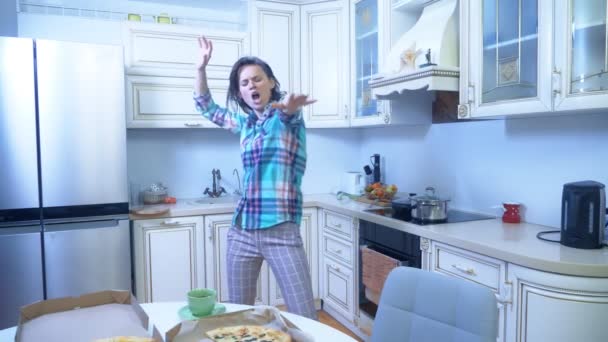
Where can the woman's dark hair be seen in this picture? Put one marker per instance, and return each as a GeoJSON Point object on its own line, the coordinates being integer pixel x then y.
{"type": "Point", "coordinates": [234, 97]}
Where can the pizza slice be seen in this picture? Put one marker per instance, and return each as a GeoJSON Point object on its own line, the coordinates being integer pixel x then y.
{"type": "Point", "coordinates": [248, 333]}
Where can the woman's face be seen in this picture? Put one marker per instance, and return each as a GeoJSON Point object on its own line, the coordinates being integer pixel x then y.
{"type": "Point", "coordinates": [255, 87]}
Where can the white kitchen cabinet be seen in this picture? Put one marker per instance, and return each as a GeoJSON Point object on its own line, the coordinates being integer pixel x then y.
{"type": "Point", "coordinates": [309, 233]}
{"type": "Point", "coordinates": [532, 304]}
{"type": "Point", "coordinates": [275, 38]}
{"type": "Point", "coordinates": [489, 272]}
{"type": "Point", "coordinates": [173, 51]}
{"type": "Point", "coordinates": [307, 47]}
{"type": "Point", "coordinates": [339, 265]}
{"type": "Point", "coordinates": [505, 57]}
{"type": "Point", "coordinates": [168, 258]}
{"type": "Point", "coordinates": [338, 288]}
{"type": "Point", "coordinates": [516, 61]}
{"type": "Point", "coordinates": [166, 102]}
{"type": "Point", "coordinates": [216, 243]}
{"type": "Point", "coordinates": [369, 28]}
{"type": "Point", "coordinates": [581, 57]}
{"type": "Point", "coordinates": [160, 64]}
{"type": "Point", "coordinates": [325, 67]}
{"type": "Point", "coordinates": [554, 307]}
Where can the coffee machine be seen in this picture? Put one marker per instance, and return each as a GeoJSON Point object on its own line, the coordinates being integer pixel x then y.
{"type": "Point", "coordinates": [583, 214]}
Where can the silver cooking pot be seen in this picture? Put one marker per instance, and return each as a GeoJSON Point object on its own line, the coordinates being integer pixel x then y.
{"type": "Point", "coordinates": [429, 208]}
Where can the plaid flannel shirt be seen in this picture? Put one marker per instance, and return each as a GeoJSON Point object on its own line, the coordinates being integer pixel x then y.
{"type": "Point", "coordinates": [273, 151]}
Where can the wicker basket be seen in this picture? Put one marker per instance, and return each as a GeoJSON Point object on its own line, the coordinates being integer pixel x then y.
{"type": "Point", "coordinates": [154, 197]}
{"type": "Point", "coordinates": [376, 267]}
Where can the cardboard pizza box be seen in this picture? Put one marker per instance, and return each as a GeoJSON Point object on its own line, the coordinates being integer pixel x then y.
{"type": "Point", "coordinates": [267, 316]}
{"type": "Point", "coordinates": [86, 318]}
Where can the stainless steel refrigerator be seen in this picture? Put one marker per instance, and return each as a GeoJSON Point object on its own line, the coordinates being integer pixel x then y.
{"type": "Point", "coordinates": [64, 226]}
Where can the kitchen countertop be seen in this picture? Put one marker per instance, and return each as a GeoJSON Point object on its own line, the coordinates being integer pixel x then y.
{"type": "Point", "coordinates": [515, 243]}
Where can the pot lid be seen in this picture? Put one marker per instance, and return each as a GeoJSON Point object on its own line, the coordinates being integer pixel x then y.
{"type": "Point", "coordinates": [429, 197]}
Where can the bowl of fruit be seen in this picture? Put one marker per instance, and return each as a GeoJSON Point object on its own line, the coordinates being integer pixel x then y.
{"type": "Point", "coordinates": [379, 191]}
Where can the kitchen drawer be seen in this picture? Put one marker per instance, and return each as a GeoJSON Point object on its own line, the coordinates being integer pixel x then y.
{"type": "Point", "coordinates": [471, 266]}
{"type": "Point", "coordinates": [338, 224]}
{"type": "Point", "coordinates": [338, 249]}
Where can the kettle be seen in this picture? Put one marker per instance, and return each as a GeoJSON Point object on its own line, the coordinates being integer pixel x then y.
{"type": "Point", "coordinates": [352, 183]}
{"type": "Point", "coordinates": [583, 215]}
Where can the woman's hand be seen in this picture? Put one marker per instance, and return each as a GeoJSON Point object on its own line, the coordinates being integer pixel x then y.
{"type": "Point", "coordinates": [293, 103]}
{"type": "Point", "coordinates": [206, 48]}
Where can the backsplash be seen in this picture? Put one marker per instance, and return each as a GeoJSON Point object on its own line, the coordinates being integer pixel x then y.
{"type": "Point", "coordinates": [183, 159]}
{"type": "Point", "coordinates": [483, 163]}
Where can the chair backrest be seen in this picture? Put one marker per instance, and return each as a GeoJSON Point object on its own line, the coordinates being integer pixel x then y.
{"type": "Point", "coordinates": [417, 305]}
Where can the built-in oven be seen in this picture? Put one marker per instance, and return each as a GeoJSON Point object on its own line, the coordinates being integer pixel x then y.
{"type": "Point", "coordinates": [401, 247]}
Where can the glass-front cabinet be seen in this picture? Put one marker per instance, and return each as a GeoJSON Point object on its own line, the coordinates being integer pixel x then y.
{"type": "Point", "coordinates": [505, 57]}
{"type": "Point", "coordinates": [532, 56]}
{"type": "Point", "coordinates": [365, 19]}
{"type": "Point", "coordinates": [581, 75]}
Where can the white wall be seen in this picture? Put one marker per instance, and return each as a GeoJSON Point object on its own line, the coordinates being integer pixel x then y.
{"type": "Point", "coordinates": [183, 159]}
{"type": "Point", "coordinates": [481, 164]}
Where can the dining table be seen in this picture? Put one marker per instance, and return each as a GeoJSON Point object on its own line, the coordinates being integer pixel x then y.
{"type": "Point", "coordinates": [164, 316]}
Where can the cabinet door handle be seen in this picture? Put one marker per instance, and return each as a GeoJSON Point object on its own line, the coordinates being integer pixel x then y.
{"type": "Point", "coordinates": [506, 293]}
{"type": "Point", "coordinates": [469, 271]}
{"type": "Point", "coordinates": [557, 81]}
{"type": "Point", "coordinates": [211, 233]}
{"type": "Point", "coordinates": [336, 225]}
{"type": "Point", "coordinates": [171, 223]}
{"type": "Point", "coordinates": [335, 268]}
{"type": "Point", "coordinates": [187, 124]}
{"type": "Point", "coordinates": [471, 93]}
{"type": "Point", "coordinates": [336, 251]}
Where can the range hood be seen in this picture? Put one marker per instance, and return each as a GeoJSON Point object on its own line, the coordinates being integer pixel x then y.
{"type": "Point", "coordinates": [424, 57]}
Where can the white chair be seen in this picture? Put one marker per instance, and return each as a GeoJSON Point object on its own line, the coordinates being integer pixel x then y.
{"type": "Point", "coordinates": [417, 305]}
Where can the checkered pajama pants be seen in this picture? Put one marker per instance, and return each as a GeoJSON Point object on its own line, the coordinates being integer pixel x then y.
{"type": "Point", "coordinates": [281, 246]}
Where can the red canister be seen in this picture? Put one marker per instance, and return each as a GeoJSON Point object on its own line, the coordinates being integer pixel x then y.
{"type": "Point", "coordinates": [511, 212]}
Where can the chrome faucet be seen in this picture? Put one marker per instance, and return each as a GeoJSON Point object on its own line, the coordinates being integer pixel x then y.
{"type": "Point", "coordinates": [238, 191]}
{"type": "Point", "coordinates": [217, 189]}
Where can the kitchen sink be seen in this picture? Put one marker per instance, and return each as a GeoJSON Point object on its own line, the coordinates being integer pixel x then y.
{"type": "Point", "coordinates": [214, 200]}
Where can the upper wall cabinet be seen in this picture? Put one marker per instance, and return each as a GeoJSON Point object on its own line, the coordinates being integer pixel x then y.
{"type": "Point", "coordinates": [275, 38]}
{"type": "Point", "coordinates": [307, 48]}
{"type": "Point", "coordinates": [325, 72]}
{"type": "Point", "coordinates": [517, 61]}
{"type": "Point", "coordinates": [160, 63]}
{"type": "Point", "coordinates": [581, 55]}
{"type": "Point", "coordinates": [506, 53]}
{"type": "Point", "coordinates": [376, 26]}
{"type": "Point", "coordinates": [368, 21]}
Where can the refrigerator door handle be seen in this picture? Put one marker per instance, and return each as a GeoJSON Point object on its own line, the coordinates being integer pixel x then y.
{"type": "Point", "coordinates": [59, 227]}
{"type": "Point", "coordinates": [20, 230]}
